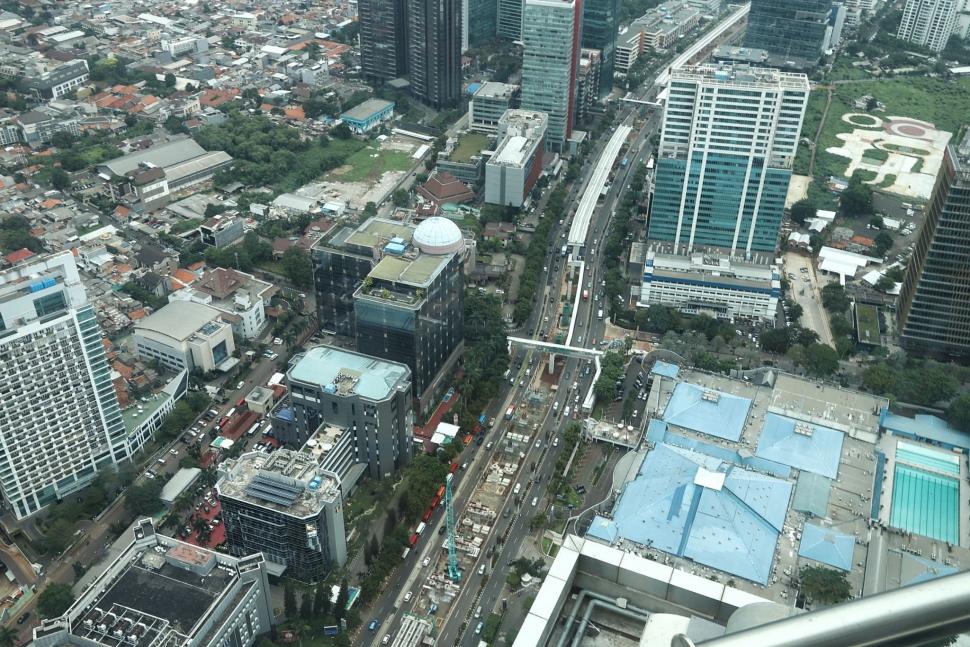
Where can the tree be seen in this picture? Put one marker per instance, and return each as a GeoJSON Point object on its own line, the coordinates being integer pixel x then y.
{"type": "Point", "coordinates": [341, 132]}
{"type": "Point", "coordinates": [8, 637]}
{"type": "Point", "coordinates": [400, 198]}
{"type": "Point", "coordinates": [824, 584]}
{"type": "Point", "coordinates": [885, 284]}
{"type": "Point", "coordinates": [884, 242]}
{"type": "Point", "coordinates": [821, 360]}
{"type": "Point", "coordinates": [856, 199]}
{"type": "Point", "coordinates": [306, 606]}
{"type": "Point", "coordinates": [170, 80]}
{"type": "Point", "coordinates": [297, 266]}
{"type": "Point", "coordinates": [321, 601]}
{"type": "Point", "coordinates": [958, 413]}
{"type": "Point", "coordinates": [803, 210]}
{"type": "Point", "coordinates": [776, 340]}
{"type": "Point", "coordinates": [880, 379]}
{"type": "Point", "coordinates": [834, 298]}
{"type": "Point", "coordinates": [341, 607]}
{"type": "Point", "coordinates": [55, 600]}
{"type": "Point", "coordinates": [142, 499]}
{"type": "Point", "coordinates": [63, 139]}
{"type": "Point", "coordinates": [871, 104]}
{"type": "Point", "coordinates": [60, 180]}
{"type": "Point", "coordinates": [289, 601]}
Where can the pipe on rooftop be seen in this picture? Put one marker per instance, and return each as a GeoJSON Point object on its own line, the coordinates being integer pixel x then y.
{"type": "Point", "coordinates": [905, 617]}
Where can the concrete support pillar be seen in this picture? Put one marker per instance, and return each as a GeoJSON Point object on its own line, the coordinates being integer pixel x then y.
{"type": "Point", "coordinates": [552, 363]}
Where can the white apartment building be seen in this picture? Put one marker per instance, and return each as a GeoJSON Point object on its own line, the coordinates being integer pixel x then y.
{"type": "Point", "coordinates": [59, 416]}
{"type": "Point", "coordinates": [716, 286]}
{"type": "Point", "coordinates": [928, 22]}
{"type": "Point", "coordinates": [240, 297]}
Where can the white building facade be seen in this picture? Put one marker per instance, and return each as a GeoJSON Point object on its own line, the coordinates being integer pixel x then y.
{"type": "Point", "coordinates": [59, 417]}
{"type": "Point", "coordinates": [715, 286]}
{"type": "Point", "coordinates": [928, 22]}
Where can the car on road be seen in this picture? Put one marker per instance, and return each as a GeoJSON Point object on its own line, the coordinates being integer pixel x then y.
{"type": "Point", "coordinates": [481, 569]}
{"type": "Point", "coordinates": [149, 475]}
{"type": "Point", "coordinates": [478, 627]}
{"type": "Point", "coordinates": [555, 442]}
{"type": "Point", "coordinates": [426, 562]}
{"type": "Point", "coordinates": [277, 341]}
{"type": "Point", "coordinates": [535, 501]}
{"type": "Point", "coordinates": [408, 595]}
{"type": "Point", "coordinates": [372, 625]}
{"type": "Point", "coordinates": [173, 452]}
{"type": "Point", "coordinates": [387, 639]}
{"type": "Point", "coordinates": [23, 618]}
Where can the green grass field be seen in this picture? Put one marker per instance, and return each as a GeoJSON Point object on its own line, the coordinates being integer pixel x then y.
{"type": "Point", "coordinates": [946, 104]}
{"type": "Point", "coordinates": [369, 164]}
{"type": "Point", "coordinates": [867, 323]}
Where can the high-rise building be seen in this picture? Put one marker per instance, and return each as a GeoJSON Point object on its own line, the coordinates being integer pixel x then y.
{"type": "Point", "coordinates": [363, 402]}
{"type": "Point", "coordinates": [928, 22]}
{"type": "Point", "coordinates": [161, 591]}
{"type": "Point", "coordinates": [509, 20]}
{"type": "Point", "coordinates": [587, 84]}
{"type": "Point", "coordinates": [410, 308]}
{"type": "Point", "coordinates": [383, 39]}
{"type": "Point", "coordinates": [434, 51]}
{"type": "Point", "coordinates": [489, 103]}
{"type": "Point", "coordinates": [550, 61]}
{"type": "Point", "coordinates": [479, 20]}
{"type": "Point", "coordinates": [725, 157]}
{"type": "Point", "coordinates": [794, 29]}
{"type": "Point", "coordinates": [601, 22]}
{"type": "Point", "coordinates": [59, 417]}
{"type": "Point", "coordinates": [512, 171]}
{"type": "Point", "coordinates": [934, 302]}
{"type": "Point", "coordinates": [283, 506]}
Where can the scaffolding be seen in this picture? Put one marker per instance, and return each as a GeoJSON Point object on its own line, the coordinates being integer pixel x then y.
{"type": "Point", "coordinates": [453, 571]}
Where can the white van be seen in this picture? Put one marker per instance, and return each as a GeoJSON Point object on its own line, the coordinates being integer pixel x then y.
{"type": "Point", "coordinates": [517, 488]}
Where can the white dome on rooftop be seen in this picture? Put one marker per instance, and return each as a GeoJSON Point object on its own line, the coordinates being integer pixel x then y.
{"type": "Point", "coordinates": [438, 235]}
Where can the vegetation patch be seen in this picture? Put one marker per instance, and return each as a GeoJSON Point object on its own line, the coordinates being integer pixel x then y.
{"type": "Point", "coordinates": [369, 164]}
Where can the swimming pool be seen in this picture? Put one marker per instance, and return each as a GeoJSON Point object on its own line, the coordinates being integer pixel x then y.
{"type": "Point", "coordinates": [926, 503]}
{"type": "Point", "coordinates": [927, 457]}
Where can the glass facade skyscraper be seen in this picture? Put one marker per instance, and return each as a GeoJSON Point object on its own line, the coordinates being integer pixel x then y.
{"type": "Point", "coordinates": [434, 51]}
{"type": "Point", "coordinates": [550, 62]}
{"type": "Point", "coordinates": [791, 28]}
{"type": "Point", "coordinates": [725, 158]}
{"type": "Point", "coordinates": [383, 39]}
{"type": "Point", "coordinates": [601, 21]}
{"type": "Point", "coordinates": [510, 19]}
{"type": "Point", "coordinates": [411, 310]}
{"type": "Point", "coordinates": [934, 302]}
{"type": "Point", "coordinates": [480, 21]}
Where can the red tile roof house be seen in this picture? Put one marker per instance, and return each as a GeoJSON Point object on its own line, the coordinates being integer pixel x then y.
{"type": "Point", "coordinates": [444, 187]}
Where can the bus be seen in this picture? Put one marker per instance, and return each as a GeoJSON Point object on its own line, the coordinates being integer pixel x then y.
{"type": "Point", "coordinates": [510, 412]}
{"type": "Point", "coordinates": [252, 430]}
{"type": "Point", "coordinates": [230, 412]}
{"type": "Point", "coordinates": [420, 528]}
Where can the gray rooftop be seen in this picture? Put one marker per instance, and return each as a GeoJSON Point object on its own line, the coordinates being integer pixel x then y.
{"type": "Point", "coordinates": [345, 372]}
{"type": "Point", "coordinates": [163, 155]}
{"type": "Point", "coordinates": [287, 481]}
{"type": "Point", "coordinates": [179, 319]}
{"type": "Point", "coordinates": [367, 109]}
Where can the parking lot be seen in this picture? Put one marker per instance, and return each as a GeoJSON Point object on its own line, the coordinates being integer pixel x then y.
{"type": "Point", "coordinates": [805, 290]}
